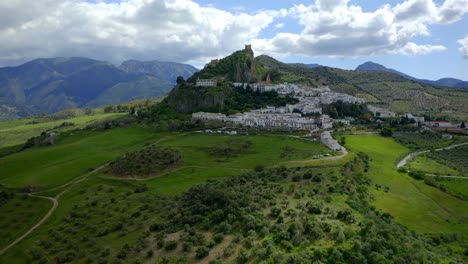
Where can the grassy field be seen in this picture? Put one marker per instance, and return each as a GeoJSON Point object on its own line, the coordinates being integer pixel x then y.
{"type": "Point", "coordinates": [411, 202]}
{"type": "Point", "coordinates": [198, 166]}
{"type": "Point", "coordinates": [18, 214]}
{"type": "Point", "coordinates": [426, 165]}
{"type": "Point", "coordinates": [79, 151]}
{"type": "Point", "coordinates": [76, 153]}
{"type": "Point", "coordinates": [457, 187]}
{"type": "Point", "coordinates": [18, 131]}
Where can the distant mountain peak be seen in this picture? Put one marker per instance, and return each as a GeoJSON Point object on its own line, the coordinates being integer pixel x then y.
{"type": "Point", "coordinates": [371, 66]}
{"type": "Point", "coordinates": [448, 82]}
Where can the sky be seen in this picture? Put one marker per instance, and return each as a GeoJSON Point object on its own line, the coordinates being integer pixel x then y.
{"type": "Point", "coordinates": [423, 38]}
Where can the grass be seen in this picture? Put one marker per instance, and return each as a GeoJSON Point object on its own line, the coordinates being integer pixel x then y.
{"type": "Point", "coordinates": [18, 214]}
{"type": "Point", "coordinates": [106, 214]}
{"type": "Point", "coordinates": [426, 165]}
{"type": "Point", "coordinates": [19, 131]}
{"type": "Point", "coordinates": [411, 202]}
{"type": "Point", "coordinates": [75, 154]}
{"type": "Point", "coordinates": [197, 165]}
{"type": "Point", "coordinates": [458, 187]}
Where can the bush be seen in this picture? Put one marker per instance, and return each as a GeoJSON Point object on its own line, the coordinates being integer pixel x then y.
{"type": "Point", "coordinates": [259, 168]}
{"type": "Point", "coordinates": [187, 246]}
{"type": "Point", "coordinates": [218, 238]}
{"type": "Point", "coordinates": [202, 252]}
{"type": "Point", "coordinates": [170, 245]}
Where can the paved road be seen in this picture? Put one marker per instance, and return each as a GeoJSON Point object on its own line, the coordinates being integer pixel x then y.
{"type": "Point", "coordinates": [415, 154]}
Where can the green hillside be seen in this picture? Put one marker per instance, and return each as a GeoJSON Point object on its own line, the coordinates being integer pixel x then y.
{"type": "Point", "coordinates": [381, 88]}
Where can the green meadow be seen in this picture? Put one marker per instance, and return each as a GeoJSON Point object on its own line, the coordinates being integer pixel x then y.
{"type": "Point", "coordinates": [76, 153]}
{"type": "Point", "coordinates": [17, 132]}
{"type": "Point", "coordinates": [412, 203]}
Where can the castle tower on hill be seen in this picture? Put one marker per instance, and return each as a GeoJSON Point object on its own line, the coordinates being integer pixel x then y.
{"type": "Point", "coordinates": [248, 48]}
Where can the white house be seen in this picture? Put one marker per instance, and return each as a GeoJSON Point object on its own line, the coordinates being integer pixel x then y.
{"type": "Point", "coordinates": [206, 82]}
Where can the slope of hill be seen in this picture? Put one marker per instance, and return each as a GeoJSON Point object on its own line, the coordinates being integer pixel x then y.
{"type": "Point", "coordinates": [50, 85]}
{"type": "Point", "coordinates": [448, 82]}
{"type": "Point", "coordinates": [379, 87]}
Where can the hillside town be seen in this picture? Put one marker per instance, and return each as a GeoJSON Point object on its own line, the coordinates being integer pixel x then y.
{"type": "Point", "coordinates": [289, 117]}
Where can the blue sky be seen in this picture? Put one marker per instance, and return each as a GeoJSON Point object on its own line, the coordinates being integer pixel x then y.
{"type": "Point", "coordinates": [423, 38]}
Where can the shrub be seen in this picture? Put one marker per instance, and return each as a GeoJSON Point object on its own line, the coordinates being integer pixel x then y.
{"type": "Point", "coordinates": [218, 238]}
{"type": "Point", "coordinates": [170, 245]}
{"type": "Point", "coordinates": [202, 252]}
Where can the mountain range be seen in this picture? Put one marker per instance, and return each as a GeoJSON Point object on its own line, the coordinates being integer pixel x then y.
{"type": "Point", "coordinates": [447, 82]}
{"type": "Point", "coordinates": [50, 85]}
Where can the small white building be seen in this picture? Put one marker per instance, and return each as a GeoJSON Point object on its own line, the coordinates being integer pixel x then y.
{"type": "Point", "coordinates": [206, 82]}
{"type": "Point", "coordinates": [439, 124]}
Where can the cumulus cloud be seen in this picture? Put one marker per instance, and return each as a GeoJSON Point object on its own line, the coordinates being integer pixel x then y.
{"type": "Point", "coordinates": [336, 28]}
{"type": "Point", "coordinates": [185, 31]}
{"type": "Point", "coordinates": [179, 30]}
{"type": "Point", "coordinates": [464, 46]}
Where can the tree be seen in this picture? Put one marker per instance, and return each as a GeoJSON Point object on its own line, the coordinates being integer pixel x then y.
{"type": "Point", "coordinates": [386, 132]}
{"type": "Point", "coordinates": [343, 141]}
{"type": "Point", "coordinates": [180, 80]}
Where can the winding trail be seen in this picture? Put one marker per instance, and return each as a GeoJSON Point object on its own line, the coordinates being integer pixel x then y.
{"type": "Point", "coordinates": [55, 201]}
{"type": "Point", "coordinates": [38, 224]}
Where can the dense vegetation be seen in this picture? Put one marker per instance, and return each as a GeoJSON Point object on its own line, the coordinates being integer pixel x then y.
{"type": "Point", "coordinates": [151, 160]}
{"type": "Point", "coordinates": [187, 98]}
{"type": "Point", "coordinates": [342, 109]}
{"type": "Point", "coordinates": [456, 158]}
{"type": "Point", "coordinates": [422, 140]}
{"type": "Point", "coordinates": [241, 100]}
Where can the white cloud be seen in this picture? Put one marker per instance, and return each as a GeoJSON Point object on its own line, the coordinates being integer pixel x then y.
{"type": "Point", "coordinates": [336, 28]}
{"type": "Point", "coordinates": [464, 46]}
{"type": "Point", "coordinates": [179, 30]}
{"type": "Point", "coordinates": [182, 30]}
{"type": "Point", "coordinates": [453, 10]}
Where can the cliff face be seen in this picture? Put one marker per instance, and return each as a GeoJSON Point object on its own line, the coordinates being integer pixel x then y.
{"type": "Point", "coordinates": [189, 99]}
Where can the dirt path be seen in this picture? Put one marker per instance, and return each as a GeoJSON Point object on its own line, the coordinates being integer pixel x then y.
{"type": "Point", "coordinates": [55, 201]}
{"type": "Point", "coordinates": [417, 153]}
